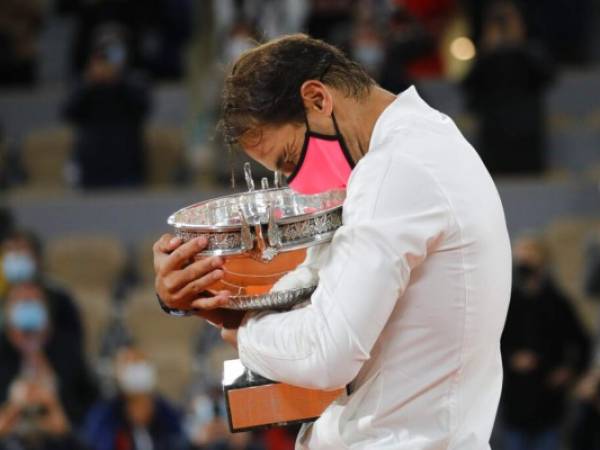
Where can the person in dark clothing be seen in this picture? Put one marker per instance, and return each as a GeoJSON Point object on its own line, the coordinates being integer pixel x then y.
{"type": "Point", "coordinates": [585, 434]}
{"type": "Point", "coordinates": [408, 41]}
{"type": "Point", "coordinates": [22, 256]}
{"type": "Point", "coordinates": [331, 21]}
{"type": "Point", "coordinates": [7, 222]}
{"type": "Point", "coordinates": [130, 16]}
{"type": "Point", "coordinates": [45, 386]}
{"type": "Point", "coordinates": [21, 22]}
{"type": "Point", "coordinates": [544, 349]}
{"type": "Point", "coordinates": [505, 90]}
{"type": "Point", "coordinates": [137, 418]}
{"type": "Point", "coordinates": [108, 110]}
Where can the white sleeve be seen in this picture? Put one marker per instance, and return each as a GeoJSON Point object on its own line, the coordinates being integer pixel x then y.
{"type": "Point", "coordinates": [392, 217]}
{"type": "Point", "coordinates": [306, 274]}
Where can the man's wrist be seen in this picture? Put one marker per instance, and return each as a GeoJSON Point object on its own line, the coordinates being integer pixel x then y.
{"type": "Point", "coordinates": [174, 311]}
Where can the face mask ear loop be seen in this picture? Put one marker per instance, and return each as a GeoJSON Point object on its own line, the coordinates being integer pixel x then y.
{"type": "Point", "coordinates": [342, 142]}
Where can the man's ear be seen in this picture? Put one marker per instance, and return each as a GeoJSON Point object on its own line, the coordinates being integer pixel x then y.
{"type": "Point", "coordinates": [316, 97]}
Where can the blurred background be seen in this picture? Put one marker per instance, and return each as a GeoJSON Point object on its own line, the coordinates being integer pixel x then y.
{"type": "Point", "coordinates": [107, 125]}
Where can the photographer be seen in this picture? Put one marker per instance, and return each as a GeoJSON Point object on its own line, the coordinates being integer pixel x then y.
{"type": "Point", "coordinates": [108, 109]}
{"type": "Point", "coordinates": [33, 415]}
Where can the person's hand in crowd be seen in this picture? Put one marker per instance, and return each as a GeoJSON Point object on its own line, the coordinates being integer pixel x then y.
{"type": "Point", "coordinates": [182, 280]}
{"type": "Point", "coordinates": [9, 417]}
{"type": "Point", "coordinates": [42, 397]}
{"type": "Point", "coordinates": [560, 377]}
{"type": "Point", "coordinates": [524, 361]}
{"type": "Point", "coordinates": [589, 387]}
{"type": "Point", "coordinates": [101, 71]}
{"type": "Point", "coordinates": [211, 432]}
{"type": "Point", "coordinates": [53, 419]}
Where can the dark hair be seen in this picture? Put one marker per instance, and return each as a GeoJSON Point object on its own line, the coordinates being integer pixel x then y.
{"type": "Point", "coordinates": [263, 86]}
{"type": "Point", "coordinates": [28, 236]}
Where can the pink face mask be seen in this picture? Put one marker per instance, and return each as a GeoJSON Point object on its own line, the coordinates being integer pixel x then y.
{"type": "Point", "coordinates": [324, 164]}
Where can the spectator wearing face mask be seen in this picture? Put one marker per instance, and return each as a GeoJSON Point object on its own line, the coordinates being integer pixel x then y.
{"type": "Point", "coordinates": [367, 47]}
{"type": "Point", "coordinates": [207, 429]}
{"type": "Point", "coordinates": [44, 384]}
{"type": "Point", "coordinates": [242, 37]}
{"type": "Point", "coordinates": [506, 89]}
{"type": "Point", "coordinates": [544, 348]}
{"type": "Point", "coordinates": [138, 417]}
{"type": "Point", "coordinates": [108, 109]}
{"type": "Point", "coordinates": [21, 256]}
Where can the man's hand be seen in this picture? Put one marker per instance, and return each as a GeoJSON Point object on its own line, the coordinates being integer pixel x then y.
{"type": "Point", "coordinates": [180, 279]}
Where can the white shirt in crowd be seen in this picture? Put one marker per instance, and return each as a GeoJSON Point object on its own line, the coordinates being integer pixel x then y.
{"type": "Point", "coordinates": [412, 297]}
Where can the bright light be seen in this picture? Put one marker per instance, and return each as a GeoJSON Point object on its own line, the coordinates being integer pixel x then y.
{"type": "Point", "coordinates": [462, 48]}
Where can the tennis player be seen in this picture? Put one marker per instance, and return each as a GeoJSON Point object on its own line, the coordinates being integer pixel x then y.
{"type": "Point", "coordinates": [414, 287]}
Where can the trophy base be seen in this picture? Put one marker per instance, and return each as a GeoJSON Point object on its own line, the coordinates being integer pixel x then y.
{"type": "Point", "coordinates": [254, 402]}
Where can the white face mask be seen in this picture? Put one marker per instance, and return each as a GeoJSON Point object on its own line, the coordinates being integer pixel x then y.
{"type": "Point", "coordinates": [137, 378]}
{"type": "Point", "coordinates": [370, 56]}
{"type": "Point", "coordinates": [235, 47]}
{"type": "Point", "coordinates": [18, 267]}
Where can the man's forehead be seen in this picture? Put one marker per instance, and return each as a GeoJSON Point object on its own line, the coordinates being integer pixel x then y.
{"type": "Point", "coordinates": [262, 141]}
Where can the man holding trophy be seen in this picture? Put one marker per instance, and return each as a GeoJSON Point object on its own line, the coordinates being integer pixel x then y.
{"type": "Point", "coordinates": [413, 289]}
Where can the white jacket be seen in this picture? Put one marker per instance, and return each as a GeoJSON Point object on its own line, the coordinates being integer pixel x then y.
{"type": "Point", "coordinates": [412, 297]}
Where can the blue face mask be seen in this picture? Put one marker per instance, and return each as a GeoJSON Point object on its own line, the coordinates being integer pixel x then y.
{"type": "Point", "coordinates": [28, 316]}
{"type": "Point", "coordinates": [18, 267]}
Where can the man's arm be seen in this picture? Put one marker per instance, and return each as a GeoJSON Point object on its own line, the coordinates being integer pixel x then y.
{"type": "Point", "coordinates": [390, 224]}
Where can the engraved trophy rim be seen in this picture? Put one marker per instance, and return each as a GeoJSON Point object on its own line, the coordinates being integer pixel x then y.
{"type": "Point", "coordinates": [208, 228]}
{"type": "Point", "coordinates": [261, 224]}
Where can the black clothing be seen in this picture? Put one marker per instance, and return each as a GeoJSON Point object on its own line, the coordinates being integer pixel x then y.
{"type": "Point", "coordinates": [505, 90]}
{"type": "Point", "coordinates": [586, 433]}
{"type": "Point", "coordinates": [107, 426]}
{"type": "Point", "coordinates": [109, 119]}
{"type": "Point", "coordinates": [68, 442]}
{"type": "Point", "coordinates": [546, 325]}
{"type": "Point", "coordinates": [64, 314]}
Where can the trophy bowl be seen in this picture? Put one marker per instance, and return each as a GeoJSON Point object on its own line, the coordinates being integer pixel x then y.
{"type": "Point", "coordinates": [263, 235]}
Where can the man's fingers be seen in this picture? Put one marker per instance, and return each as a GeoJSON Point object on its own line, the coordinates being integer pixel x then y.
{"type": "Point", "coordinates": [194, 272]}
{"type": "Point", "coordinates": [182, 254]}
{"type": "Point", "coordinates": [180, 293]}
{"type": "Point", "coordinates": [166, 244]}
{"type": "Point", "coordinates": [218, 301]}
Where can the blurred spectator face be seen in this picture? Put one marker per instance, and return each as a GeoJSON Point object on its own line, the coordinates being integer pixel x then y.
{"type": "Point", "coordinates": [27, 321]}
{"type": "Point", "coordinates": [20, 259]}
{"type": "Point", "coordinates": [504, 25]}
{"type": "Point", "coordinates": [109, 56]}
{"type": "Point", "coordinates": [368, 49]}
{"type": "Point", "coordinates": [206, 422]}
{"type": "Point", "coordinates": [241, 39]}
{"type": "Point", "coordinates": [530, 262]}
{"type": "Point", "coordinates": [136, 379]}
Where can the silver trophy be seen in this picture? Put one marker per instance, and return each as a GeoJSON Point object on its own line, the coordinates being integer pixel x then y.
{"type": "Point", "coordinates": [263, 235]}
